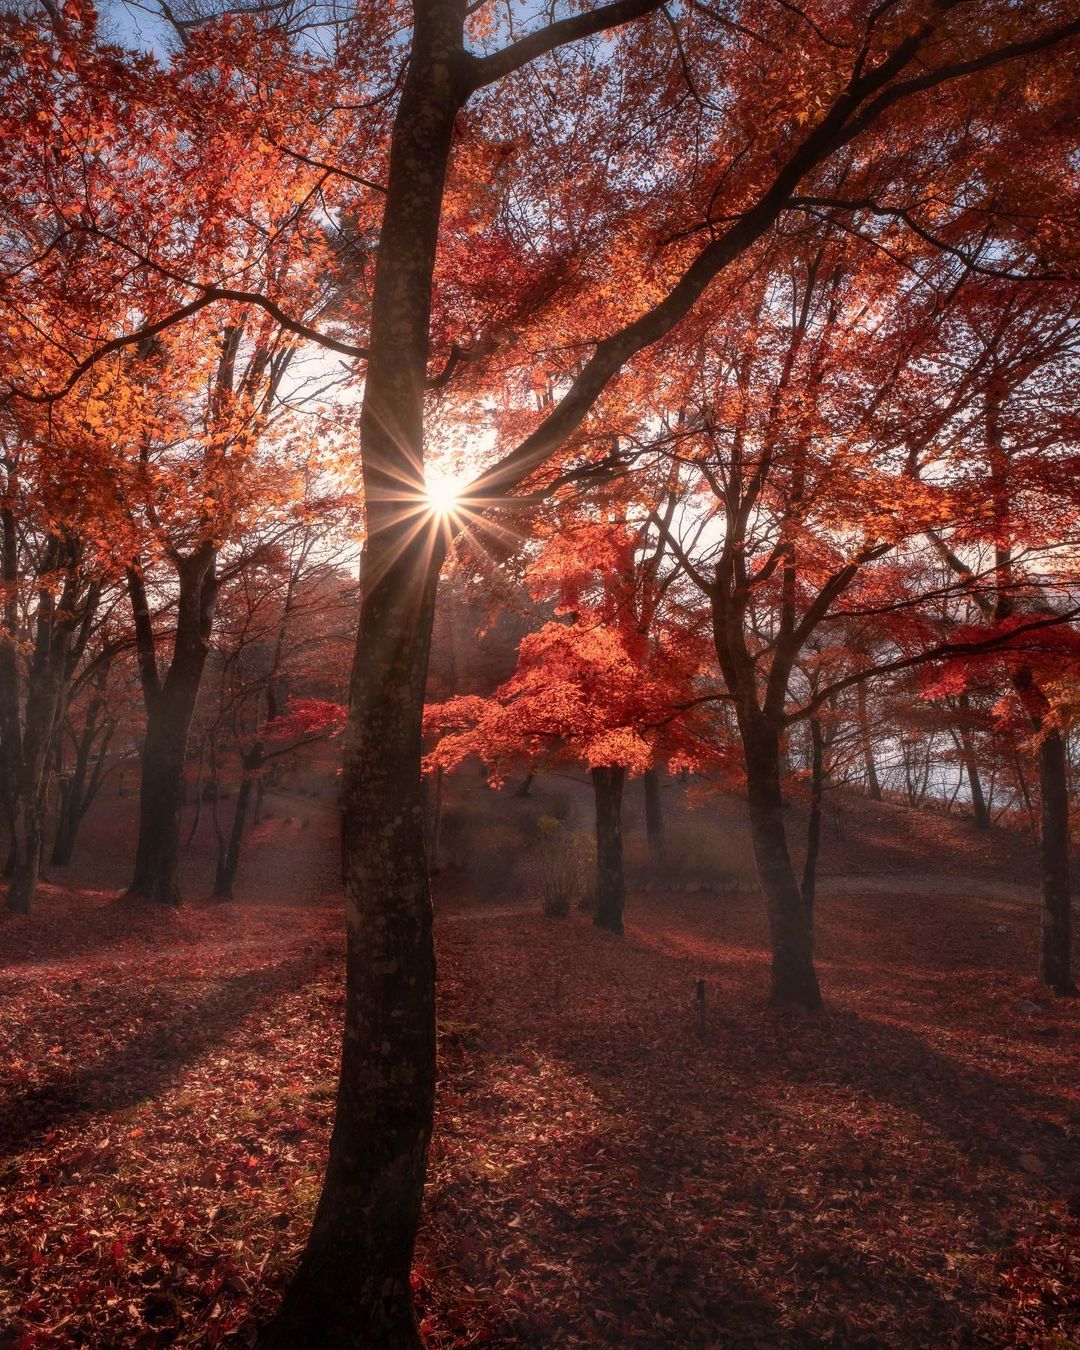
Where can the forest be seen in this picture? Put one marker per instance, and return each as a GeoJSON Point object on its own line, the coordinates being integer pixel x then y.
{"type": "Point", "coordinates": [539, 673]}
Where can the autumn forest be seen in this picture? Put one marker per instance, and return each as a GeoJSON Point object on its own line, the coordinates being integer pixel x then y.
{"type": "Point", "coordinates": [539, 673]}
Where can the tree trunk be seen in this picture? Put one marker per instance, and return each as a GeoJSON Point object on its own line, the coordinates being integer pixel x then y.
{"type": "Point", "coordinates": [47, 682]}
{"type": "Point", "coordinates": [229, 859]}
{"type": "Point", "coordinates": [170, 708]}
{"type": "Point", "coordinates": [200, 795]}
{"type": "Point", "coordinates": [813, 827]}
{"type": "Point", "coordinates": [980, 812]}
{"type": "Point", "coordinates": [873, 783]}
{"type": "Point", "coordinates": [67, 827]}
{"type": "Point", "coordinates": [81, 788]}
{"type": "Point", "coordinates": [610, 884]}
{"type": "Point", "coordinates": [160, 802]}
{"type": "Point", "coordinates": [794, 980]}
{"type": "Point", "coordinates": [1056, 964]}
{"type": "Point", "coordinates": [654, 815]}
{"type": "Point", "coordinates": [25, 857]}
{"type": "Point", "coordinates": [352, 1288]}
{"type": "Point", "coordinates": [979, 809]}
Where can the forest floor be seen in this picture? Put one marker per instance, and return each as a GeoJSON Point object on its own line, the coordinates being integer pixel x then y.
{"type": "Point", "coordinates": [900, 1170]}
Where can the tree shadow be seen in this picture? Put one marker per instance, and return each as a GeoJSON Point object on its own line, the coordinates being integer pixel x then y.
{"type": "Point", "coordinates": [784, 1155]}
{"type": "Point", "coordinates": [177, 1030]}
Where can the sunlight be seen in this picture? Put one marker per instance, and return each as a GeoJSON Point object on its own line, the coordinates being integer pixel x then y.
{"type": "Point", "coordinates": [442, 494]}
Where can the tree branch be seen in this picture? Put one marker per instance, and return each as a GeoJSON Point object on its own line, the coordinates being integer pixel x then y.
{"type": "Point", "coordinates": [487, 69]}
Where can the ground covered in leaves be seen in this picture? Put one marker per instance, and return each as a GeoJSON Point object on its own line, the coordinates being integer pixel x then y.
{"type": "Point", "coordinates": [903, 1169]}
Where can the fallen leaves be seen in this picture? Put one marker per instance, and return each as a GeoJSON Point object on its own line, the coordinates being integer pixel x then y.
{"type": "Point", "coordinates": [601, 1174]}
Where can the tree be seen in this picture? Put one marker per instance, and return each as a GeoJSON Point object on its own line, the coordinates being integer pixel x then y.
{"type": "Point", "coordinates": [772, 107]}
{"type": "Point", "coordinates": [280, 663]}
{"type": "Point", "coordinates": [613, 686]}
{"type": "Point", "coordinates": [1026, 339]}
{"type": "Point", "coordinates": [101, 701]}
{"type": "Point", "coordinates": [824, 466]}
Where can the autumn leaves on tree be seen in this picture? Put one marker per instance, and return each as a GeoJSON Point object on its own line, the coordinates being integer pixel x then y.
{"type": "Point", "coordinates": [749, 330]}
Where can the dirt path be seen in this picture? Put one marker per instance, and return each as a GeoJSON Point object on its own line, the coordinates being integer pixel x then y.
{"type": "Point", "coordinates": [931, 883]}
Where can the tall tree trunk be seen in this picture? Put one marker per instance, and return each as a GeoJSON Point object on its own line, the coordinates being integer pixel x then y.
{"type": "Point", "coordinates": [160, 801]}
{"type": "Point", "coordinates": [353, 1285]}
{"type": "Point", "coordinates": [228, 860]}
{"type": "Point", "coordinates": [352, 1288]}
{"type": "Point", "coordinates": [170, 708]}
{"type": "Point", "coordinates": [56, 651]}
{"type": "Point", "coordinates": [25, 855]}
{"type": "Point", "coordinates": [610, 884]}
{"type": "Point", "coordinates": [813, 827]}
{"type": "Point", "coordinates": [1056, 965]}
{"type": "Point", "coordinates": [873, 783]}
{"type": "Point", "coordinates": [794, 980]}
{"type": "Point", "coordinates": [654, 815]}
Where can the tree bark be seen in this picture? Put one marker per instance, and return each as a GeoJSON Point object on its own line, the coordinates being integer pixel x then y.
{"type": "Point", "coordinates": [813, 827]}
{"type": "Point", "coordinates": [228, 861]}
{"type": "Point", "coordinates": [1056, 964]}
{"type": "Point", "coordinates": [654, 815]}
{"type": "Point", "coordinates": [873, 783]}
{"type": "Point", "coordinates": [25, 855]}
{"type": "Point", "coordinates": [352, 1288]}
{"type": "Point", "coordinates": [170, 705]}
{"type": "Point", "coordinates": [353, 1285]}
{"type": "Point", "coordinates": [794, 980]}
{"type": "Point", "coordinates": [610, 884]}
{"type": "Point", "coordinates": [979, 810]}
{"type": "Point", "coordinates": [31, 736]}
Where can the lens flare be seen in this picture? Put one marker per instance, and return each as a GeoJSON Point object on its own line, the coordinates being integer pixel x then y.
{"type": "Point", "coordinates": [442, 495]}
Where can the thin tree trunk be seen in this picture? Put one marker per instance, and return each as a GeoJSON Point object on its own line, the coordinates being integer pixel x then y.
{"type": "Point", "coordinates": [82, 787]}
{"type": "Point", "coordinates": [55, 652]}
{"type": "Point", "coordinates": [654, 815]}
{"type": "Point", "coordinates": [794, 980]}
{"type": "Point", "coordinates": [873, 783]}
{"type": "Point", "coordinates": [436, 822]}
{"type": "Point", "coordinates": [1056, 964]}
{"type": "Point", "coordinates": [1025, 796]}
{"type": "Point", "coordinates": [229, 859]}
{"type": "Point", "coordinates": [610, 883]}
{"type": "Point", "coordinates": [813, 827]}
{"type": "Point", "coordinates": [199, 781]}
{"type": "Point", "coordinates": [979, 810]}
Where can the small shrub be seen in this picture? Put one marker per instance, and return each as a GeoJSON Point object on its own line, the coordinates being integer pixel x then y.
{"type": "Point", "coordinates": [560, 873]}
{"type": "Point", "coordinates": [545, 827]}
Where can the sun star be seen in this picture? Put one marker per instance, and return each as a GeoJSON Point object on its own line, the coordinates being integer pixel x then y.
{"type": "Point", "coordinates": [442, 495]}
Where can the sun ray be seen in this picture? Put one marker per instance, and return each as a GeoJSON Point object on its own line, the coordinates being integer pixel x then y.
{"type": "Point", "coordinates": [442, 494]}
